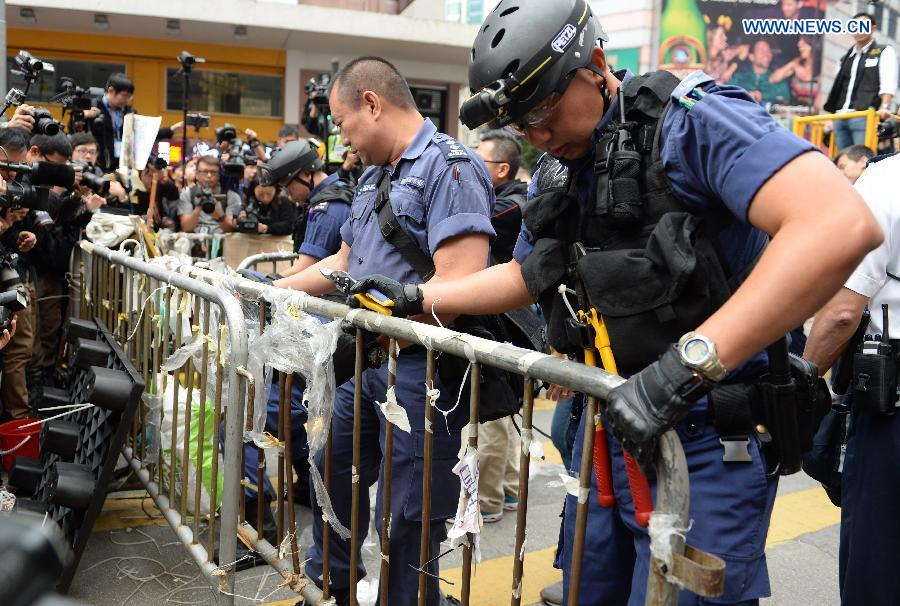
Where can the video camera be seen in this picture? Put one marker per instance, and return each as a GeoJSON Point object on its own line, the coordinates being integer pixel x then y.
{"type": "Point", "coordinates": [76, 100]}
{"type": "Point", "coordinates": [31, 69]}
{"type": "Point", "coordinates": [234, 166]}
{"type": "Point", "coordinates": [206, 199]}
{"type": "Point", "coordinates": [317, 96]}
{"type": "Point", "coordinates": [33, 188]}
{"type": "Point", "coordinates": [13, 297]}
{"type": "Point", "coordinates": [889, 129]}
{"type": "Point", "coordinates": [198, 121]}
{"type": "Point", "coordinates": [226, 132]}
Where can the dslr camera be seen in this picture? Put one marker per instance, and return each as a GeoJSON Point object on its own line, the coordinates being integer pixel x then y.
{"type": "Point", "coordinates": [76, 100]}
{"type": "Point", "coordinates": [13, 297]}
{"type": "Point", "coordinates": [44, 124]}
{"type": "Point", "coordinates": [32, 187]}
{"type": "Point", "coordinates": [92, 178]}
{"type": "Point", "coordinates": [234, 166]}
{"type": "Point", "coordinates": [250, 223]}
{"type": "Point", "coordinates": [198, 121]}
{"type": "Point", "coordinates": [206, 199]}
{"type": "Point", "coordinates": [226, 132]}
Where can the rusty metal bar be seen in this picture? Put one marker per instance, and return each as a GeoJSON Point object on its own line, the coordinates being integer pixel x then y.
{"type": "Point", "coordinates": [280, 470]}
{"type": "Point", "coordinates": [175, 387]}
{"type": "Point", "coordinates": [214, 489]}
{"type": "Point", "coordinates": [354, 470]}
{"type": "Point", "coordinates": [474, 406]}
{"type": "Point", "coordinates": [522, 510]}
{"type": "Point", "coordinates": [426, 478]}
{"type": "Point", "coordinates": [188, 415]}
{"type": "Point", "coordinates": [387, 481]}
{"type": "Point", "coordinates": [584, 488]}
{"type": "Point", "coordinates": [289, 472]}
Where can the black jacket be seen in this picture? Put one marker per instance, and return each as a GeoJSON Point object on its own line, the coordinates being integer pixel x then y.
{"type": "Point", "coordinates": [279, 215]}
{"type": "Point", "coordinates": [506, 218]}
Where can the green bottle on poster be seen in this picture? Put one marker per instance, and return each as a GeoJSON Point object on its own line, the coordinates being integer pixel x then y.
{"type": "Point", "coordinates": [682, 35]}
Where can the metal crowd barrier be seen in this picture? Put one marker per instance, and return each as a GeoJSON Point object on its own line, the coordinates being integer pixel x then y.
{"type": "Point", "coordinates": [812, 128]}
{"type": "Point", "coordinates": [124, 292]}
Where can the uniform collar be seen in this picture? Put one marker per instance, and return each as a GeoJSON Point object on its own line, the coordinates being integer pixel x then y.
{"type": "Point", "coordinates": [420, 141]}
{"type": "Point", "coordinates": [864, 50]}
{"type": "Point", "coordinates": [330, 179]}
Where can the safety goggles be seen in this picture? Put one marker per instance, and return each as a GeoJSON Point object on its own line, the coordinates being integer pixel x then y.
{"type": "Point", "coordinates": [538, 117]}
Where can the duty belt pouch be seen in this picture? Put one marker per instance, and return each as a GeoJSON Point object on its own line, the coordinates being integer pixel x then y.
{"type": "Point", "coordinates": [779, 390]}
{"type": "Point", "coordinates": [875, 382]}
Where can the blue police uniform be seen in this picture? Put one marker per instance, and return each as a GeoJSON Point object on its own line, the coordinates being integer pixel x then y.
{"type": "Point", "coordinates": [323, 226]}
{"type": "Point", "coordinates": [322, 239]}
{"type": "Point", "coordinates": [720, 152]}
{"type": "Point", "coordinates": [439, 190]}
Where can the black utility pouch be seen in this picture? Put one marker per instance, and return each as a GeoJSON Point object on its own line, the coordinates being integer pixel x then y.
{"type": "Point", "coordinates": [875, 383]}
{"type": "Point", "coordinates": [812, 398]}
{"type": "Point", "coordinates": [779, 403]}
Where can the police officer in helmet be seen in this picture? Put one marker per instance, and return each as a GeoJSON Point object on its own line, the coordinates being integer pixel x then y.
{"type": "Point", "coordinates": [654, 205]}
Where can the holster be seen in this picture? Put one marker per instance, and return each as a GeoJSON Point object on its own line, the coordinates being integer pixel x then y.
{"type": "Point", "coordinates": [875, 382]}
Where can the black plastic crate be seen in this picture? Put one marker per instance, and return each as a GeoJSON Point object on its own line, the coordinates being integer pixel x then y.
{"type": "Point", "coordinates": [72, 489]}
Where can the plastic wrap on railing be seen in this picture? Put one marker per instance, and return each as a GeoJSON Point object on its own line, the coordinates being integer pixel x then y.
{"type": "Point", "coordinates": [295, 341]}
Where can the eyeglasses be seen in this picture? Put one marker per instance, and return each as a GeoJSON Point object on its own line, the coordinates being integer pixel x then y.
{"type": "Point", "coordinates": [208, 172]}
{"type": "Point", "coordinates": [91, 153]}
{"type": "Point", "coordinates": [538, 117]}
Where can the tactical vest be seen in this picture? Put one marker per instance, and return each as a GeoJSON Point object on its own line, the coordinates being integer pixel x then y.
{"type": "Point", "coordinates": [653, 269]}
{"type": "Point", "coordinates": [340, 193]}
{"type": "Point", "coordinates": [866, 86]}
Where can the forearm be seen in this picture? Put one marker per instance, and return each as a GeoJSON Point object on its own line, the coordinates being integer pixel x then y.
{"type": "Point", "coordinates": [226, 224]}
{"type": "Point", "coordinates": [302, 262]}
{"type": "Point", "coordinates": [887, 99]}
{"type": "Point", "coordinates": [833, 328]}
{"type": "Point", "coordinates": [493, 290]}
{"type": "Point", "coordinates": [781, 293]}
{"type": "Point", "coordinates": [310, 280]}
{"type": "Point", "coordinates": [189, 221]}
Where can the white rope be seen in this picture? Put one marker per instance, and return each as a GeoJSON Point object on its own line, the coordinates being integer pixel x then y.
{"type": "Point", "coordinates": [137, 324]}
{"type": "Point", "coordinates": [16, 447]}
{"type": "Point", "coordinates": [63, 414]}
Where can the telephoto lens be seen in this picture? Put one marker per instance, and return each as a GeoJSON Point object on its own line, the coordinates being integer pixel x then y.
{"type": "Point", "coordinates": [44, 124]}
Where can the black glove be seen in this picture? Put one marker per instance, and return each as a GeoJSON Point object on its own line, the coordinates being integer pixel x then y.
{"type": "Point", "coordinates": [344, 357]}
{"type": "Point", "coordinates": [651, 402]}
{"type": "Point", "coordinates": [407, 298]}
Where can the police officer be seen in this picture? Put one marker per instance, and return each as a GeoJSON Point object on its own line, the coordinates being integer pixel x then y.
{"type": "Point", "coordinates": [870, 497]}
{"type": "Point", "coordinates": [440, 195]}
{"type": "Point", "coordinates": [324, 201]}
{"type": "Point", "coordinates": [618, 230]}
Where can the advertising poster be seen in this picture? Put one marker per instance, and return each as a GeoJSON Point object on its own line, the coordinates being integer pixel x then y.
{"type": "Point", "coordinates": [781, 71]}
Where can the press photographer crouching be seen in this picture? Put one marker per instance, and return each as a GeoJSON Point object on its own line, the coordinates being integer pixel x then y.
{"type": "Point", "coordinates": [266, 211]}
{"type": "Point", "coordinates": [204, 208]}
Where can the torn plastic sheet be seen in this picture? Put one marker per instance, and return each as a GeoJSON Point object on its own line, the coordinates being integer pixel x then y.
{"type": "Point", "coordinates": [299, 342]}
{"type": "Point", "coordinates": [154, 420]}
{"type": "Point", "coordinates": [393, 412]}
{"type": "Point", "coordinates": [467, 514]}
{"type": "Point", "coordinates": [568, 482]}
{"type": "Point", "coordinates": [662, 527]}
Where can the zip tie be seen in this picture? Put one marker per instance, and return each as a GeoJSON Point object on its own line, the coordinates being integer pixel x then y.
{"type": "Point", "coordinates": [60, 407]}
{"type": "Point", "coordinates": [42, 421]}
{"type": "Point", "coordinates": [10, 451]}
{"type": "Point", "coordinates": [564, 290]}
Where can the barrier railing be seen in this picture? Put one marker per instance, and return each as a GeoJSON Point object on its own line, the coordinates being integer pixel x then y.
{"type": "Point", "coordinates": [812, 128]}
{"type": "Point", "coordinates": [120, 289]}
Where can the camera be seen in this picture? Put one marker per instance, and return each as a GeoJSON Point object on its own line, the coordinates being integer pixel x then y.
{"type": "Point", "coordinates": [226, 132]}
{"type": "Point", "coordinates": [30, 68]}
{"type": "Point", "coordinates": [889, 129]}
{"type": "Point", "coordinates": [92, 178]}
{"type": "Point", "coordinates": [198, 121]}
{"type": "Point", "coordinates": [317, 96]}
{"type": "Point", "coordinates": [76, 101]}
{"type": "Point", "coordinates": [206, 199]}
{"type": "Point", "coordinates": [13, 297]}
{"type": "Point", "coordinates": [44, 124]}
{"type": "Point", "coordinates": [234, 166]}
{"type": "Point", "coordinates": [250, 223]}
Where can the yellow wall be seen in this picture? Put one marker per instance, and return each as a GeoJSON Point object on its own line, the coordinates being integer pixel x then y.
{"type": "Point", "coordinates": [146, 61]}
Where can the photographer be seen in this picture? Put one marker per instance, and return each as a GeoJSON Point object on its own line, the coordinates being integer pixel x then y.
{"type": "Point", "coordinates": [15, 237]}
{"type": "Point", "coordinates": [201, 208]}
{"type": "Point", "coordinates": [106, 121]}
{"type": "Point", "coordinates": [21, 118]}
{"type": "Point", "coordinates": [273, 212]}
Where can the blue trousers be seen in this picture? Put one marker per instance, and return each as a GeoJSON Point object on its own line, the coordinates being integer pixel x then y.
{"type": "Point", "coordinates": [731, 504]}
{"type": "Point", "coordinates": [849, 132]}
{"type": "Point", "coordinates": [406, 484]}
{"type": "Point", "coordinates": [299, 447]}
{"type": "Point", "coordinates": [870, 511]}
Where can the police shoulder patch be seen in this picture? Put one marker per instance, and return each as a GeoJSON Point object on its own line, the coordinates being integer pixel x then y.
{"type": "Point", "coordinates": [366, 188]}
{"type": "Point", "coordinates": [692, 81]}
{"type": "Point", "coordinates": [453, 150]}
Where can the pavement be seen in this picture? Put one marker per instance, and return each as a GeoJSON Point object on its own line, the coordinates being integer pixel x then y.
{"type": "Point", "coordinates": [134, 559]}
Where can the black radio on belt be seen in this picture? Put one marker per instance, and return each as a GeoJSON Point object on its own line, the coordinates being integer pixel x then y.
{"type": "Point", "coordinates": [875, 372]}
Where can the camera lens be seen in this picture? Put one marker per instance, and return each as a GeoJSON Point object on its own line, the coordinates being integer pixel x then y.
{"type": "Point", "coordinates": [47, 126]}
{"type": "Point", "coordinates": [209, 207]}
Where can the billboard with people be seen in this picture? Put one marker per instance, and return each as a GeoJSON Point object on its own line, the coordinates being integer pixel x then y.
{"type": "Point", "coordinates": [780, 71]}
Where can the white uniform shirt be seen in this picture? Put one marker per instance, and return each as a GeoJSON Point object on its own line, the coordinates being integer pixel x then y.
{"type": "Point", "coordinates": [878, 187]}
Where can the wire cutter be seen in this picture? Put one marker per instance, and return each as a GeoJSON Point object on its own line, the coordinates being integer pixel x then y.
{"type": "Point", "coordinates": [371, 299]}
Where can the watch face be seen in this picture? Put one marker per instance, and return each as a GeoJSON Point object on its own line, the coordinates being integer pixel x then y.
{"type": "Point", "coordinates": [696, 351]}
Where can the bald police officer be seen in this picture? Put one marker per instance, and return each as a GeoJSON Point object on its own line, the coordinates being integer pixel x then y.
{"type": "Point", "coordinates": [440, 195]}
{"type": "Point", "coordinates": [654, 204]}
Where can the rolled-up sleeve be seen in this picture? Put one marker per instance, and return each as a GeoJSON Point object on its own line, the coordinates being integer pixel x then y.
{"type": "Point", "coordinates": [725, 148]}
{"type": "Point", "coordinates": [460, 205]}
{"type": "Point", "coordinates": [876, 187]}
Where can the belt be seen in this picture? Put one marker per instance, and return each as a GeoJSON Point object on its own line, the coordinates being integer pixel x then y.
{"type": "Point", "coordinates": [732, 410]}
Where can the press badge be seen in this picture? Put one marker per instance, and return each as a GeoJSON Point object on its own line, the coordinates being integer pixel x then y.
{"type": "Point", "coordinates": [118, 148]}
{"type": "Point", "coordinates": [871, 62]}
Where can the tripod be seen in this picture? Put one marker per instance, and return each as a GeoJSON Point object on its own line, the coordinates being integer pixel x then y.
{"type": "Point", "coordinates": [187, 62]}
